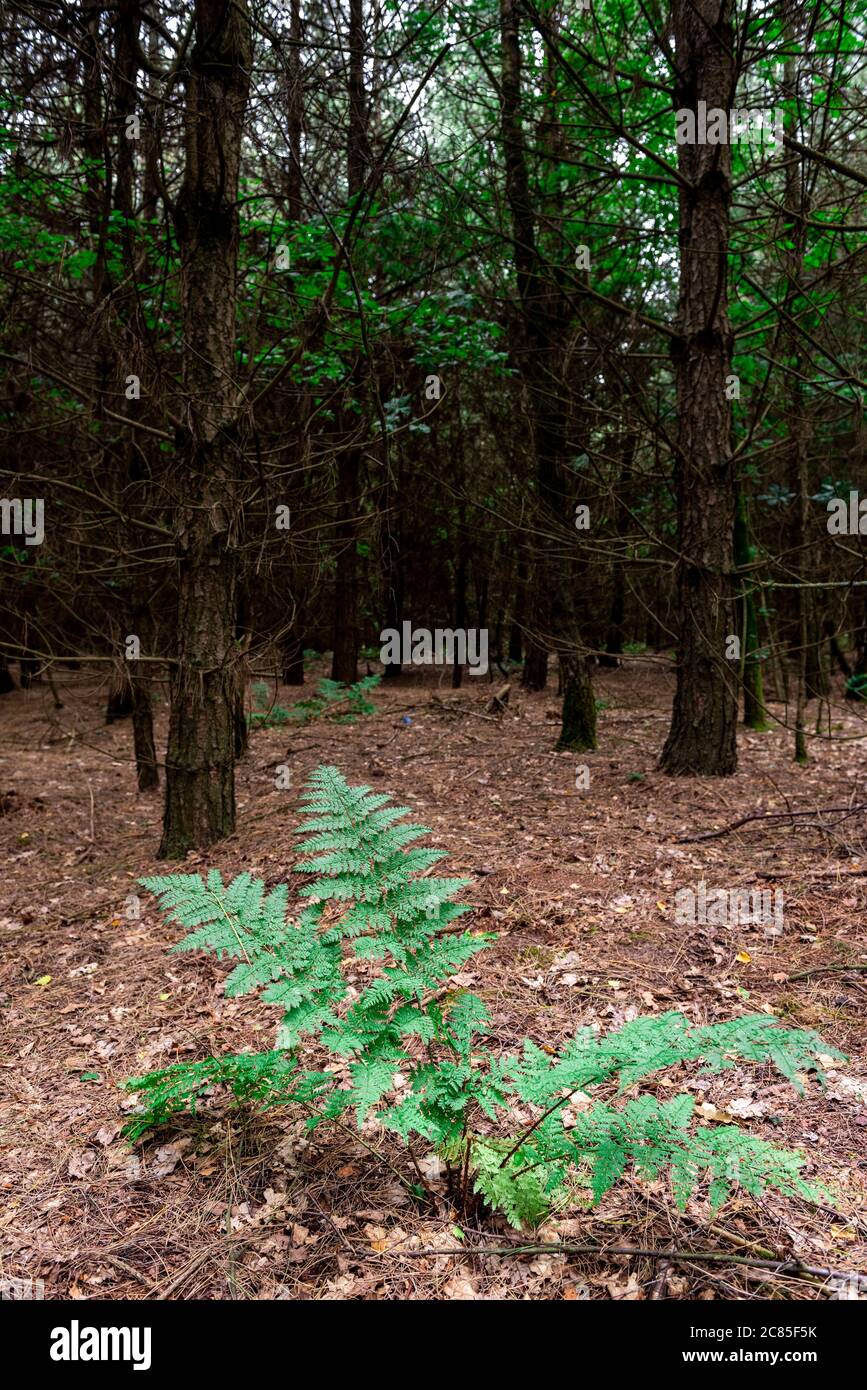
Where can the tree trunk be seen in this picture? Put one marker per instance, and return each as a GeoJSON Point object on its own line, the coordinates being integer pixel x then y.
{"type": "Point", "coordinates": [200, 774]}
{"type": "Point", "coordinates": [391, 563]}
{"type": "Point", "coordinates": [614, 633]}
{"type": "Point", "coordinates": [702, 737]}
{"type": "Point", "coordinates": [795, 239]}
{"type": "Point", "coordinates": [818, 684]}
{"type": "Point", "coordinates": [535, 674]}
{"type": "Point", "coordinates": [344, 665]}
{"type": "Point", "coordinates": [578, 731]}
{"type": "Point", "coordinates": [753, 680]}
{"type": "Point", "coordinates": [544, 319]}
{"type": "Point", "coordinates": [120, 702]}
{"type": "Point", "coordinates": [143, 740]}
{"type": "Point", "coordinates": [292, 658]}
{"type": "Point", "coordinates": [28, 671]}
{"type": "Point", "coordinates": [344, 661]}
{"type": "Point", "coordinates": [200, 770]}
{"type": "Point", "coordinates": [610, 657]}
{"type": "Point", "coordinates": [142, 714]}
{"type": "Point", "coordinates": [242, 641]}
{"type": "Point", "coordinates": [461, 609]}
{"type": "Point", "coordinates": [294, 117]}
{"type": "Point", "coordinates": [856, 685]}
{"type": "Point", "coordinates": [518, 615]}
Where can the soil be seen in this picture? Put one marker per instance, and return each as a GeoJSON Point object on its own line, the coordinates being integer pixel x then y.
{"type": "Point", "coordinates": [578, 882]}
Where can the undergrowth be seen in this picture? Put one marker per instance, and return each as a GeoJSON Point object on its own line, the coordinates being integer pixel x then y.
{"type": "Point", "coordinates": [504, 1124]}
{"type": "Point", "coordinates": [331, 699]}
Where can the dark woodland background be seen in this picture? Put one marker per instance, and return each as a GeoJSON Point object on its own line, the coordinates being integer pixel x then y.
{"type": "Point", "coordinates": [323, 316]}
{"type": "Point", "coordinates": [319, 320]}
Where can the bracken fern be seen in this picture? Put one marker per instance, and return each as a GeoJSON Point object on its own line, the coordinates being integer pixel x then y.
{"type": "Point", "coordinates": [332, 699]}
{"type": "Point", "coordinates": [373, 899]}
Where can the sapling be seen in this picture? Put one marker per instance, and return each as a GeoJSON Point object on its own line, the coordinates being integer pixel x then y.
{"type": "Point", "coordinates": [371, 907]}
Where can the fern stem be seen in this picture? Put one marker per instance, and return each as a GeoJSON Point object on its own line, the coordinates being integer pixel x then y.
{"type": "Point", "coordinates": [523, 1137]}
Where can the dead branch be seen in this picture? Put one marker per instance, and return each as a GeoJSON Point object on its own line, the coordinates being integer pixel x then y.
{"type": "Point", "coordinates": [844, 813]}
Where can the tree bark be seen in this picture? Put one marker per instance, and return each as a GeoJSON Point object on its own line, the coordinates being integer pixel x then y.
{"type": "Point", "coordinates": [344, 665]}
{"type": "Point", "coordinates": [753, 678]}
{"type": "Point", "coordinates": [200, 775]}
{"type": "Point", "coordinates": [292, 659]}
{"type": "Point", "coordinates": [344, 661]}
{"type": "Point", "coordinates": [147, 773]}
{"type": "Point", "coordinates": [807, 660]}
{"type": "Point", "coordinates": [461, 607]}
{"type": "Point", "coordinates": [540, 352]}
{"type": "Point", "coordinates": [28, 671]}
{"type": "Point", "coordinates": [391, 560]}
{"type": "Point", "coordinates": [119, 704]}
{"type": "Point", "coordinates": [294, 117]}
{"type": "Point", "coordinates": [518, 609]}
{"type": "Point", "coordinates": [856, 685]}
{"type": "Point", "coordinates": [614, 634]}
{"type": "Point", "coordinates": [702, 736]}
{"type": "Point", "coordinates": [535, 674]}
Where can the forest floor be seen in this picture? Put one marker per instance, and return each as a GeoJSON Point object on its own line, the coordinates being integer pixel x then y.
{"type": "Point", "coordinates": [580, 886]}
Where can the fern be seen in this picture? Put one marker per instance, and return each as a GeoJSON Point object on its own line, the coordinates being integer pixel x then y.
{"type": "Point", "coordinates": [508, 1183]}
{"type": "Point", "coordinates": [856, 686]}
{"type": "Point", "coordinates": [371, 896]}
{"type": "Point", "coordinates": [332, 699]}
{"type": "Point", "coordinates": [265, 715]}
{"type": "Point", "coordinates": [257, 1076]}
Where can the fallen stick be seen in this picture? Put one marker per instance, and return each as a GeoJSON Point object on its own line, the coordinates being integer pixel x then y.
{"type": "Point", "coordinates": [843, 811]}
{"type": "Point", "coordinates": [824, 970]}
{"type": "Point", "coordinates": [790, 1266]}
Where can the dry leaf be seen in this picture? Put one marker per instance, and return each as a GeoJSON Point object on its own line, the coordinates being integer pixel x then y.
{"type": "Point", "coordinates": [431, 1166]}
{"type": "Point", "coordinates": [710, 1112]}
{"type": "Point", "coordinates": [342, 1287]}
{"type": "Point", "coordinates": [628, 1292]}
{"type": "Point", "coordinates": [167, 1158]}
{"type": "Point", "coordinates": [81, 1163]}
{"type": "Point", "coordinates": [457, 1288]}
{"type": "Point", "coordinates": [746, 1109]}
{"type": "Point", "coordinates": [381, 1239]}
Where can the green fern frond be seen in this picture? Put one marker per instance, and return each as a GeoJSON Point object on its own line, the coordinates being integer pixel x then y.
{"type": "Point", "coordinates": [263, 1077]}
{"type": "Point", "coordinates": [371, 899]}
{"type": "Point", "coordinates": [648, 1045]}
{"type": "Point", "coordinates": [513, 1188]}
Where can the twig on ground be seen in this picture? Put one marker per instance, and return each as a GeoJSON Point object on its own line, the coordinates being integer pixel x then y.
{"type": "Point", "coordinates": [824, 970]}
{"type": "Point", "coordinates": [782, 1266]}
{"type": "Point", "coordinates": [844, 812]}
